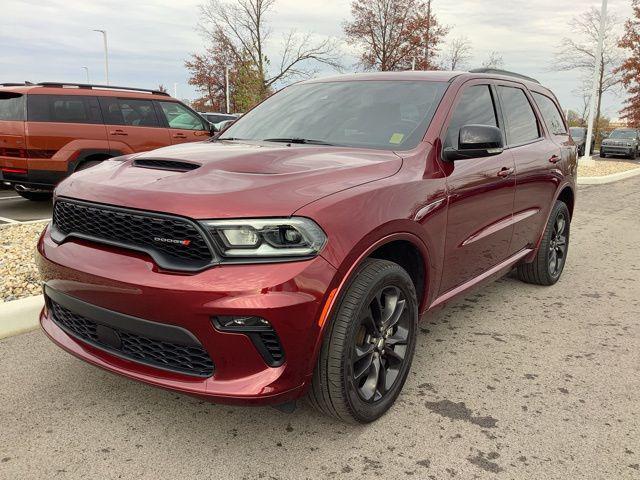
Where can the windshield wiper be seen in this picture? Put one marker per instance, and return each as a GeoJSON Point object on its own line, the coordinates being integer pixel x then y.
{"type": "Point", "coordinates": [307, 141]}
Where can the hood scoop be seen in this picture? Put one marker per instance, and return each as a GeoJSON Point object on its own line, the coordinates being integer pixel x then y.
{"type": "Point", "coordinates": [160, 164]}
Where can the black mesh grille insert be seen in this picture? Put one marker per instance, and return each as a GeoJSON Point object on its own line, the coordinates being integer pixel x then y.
{"type": "Point", "coordinates": [172, 165]}
{"type": "Point", "coordinates": [188, 359]}
{"type": "Point", "coordinates": [174, 242]}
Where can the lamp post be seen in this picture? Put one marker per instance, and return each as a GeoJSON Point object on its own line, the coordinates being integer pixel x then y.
{"type": "Point", "coordinates": [587, 159]}
{"type": "Point", "coordinates": [106, 53]}
{"type": "Point", "coordinates": [226, 86]}
{"type": "Point", "coordinates": [86, 70]}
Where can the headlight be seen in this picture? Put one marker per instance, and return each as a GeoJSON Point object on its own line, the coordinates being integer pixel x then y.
{"type": "Point", "coordinates": [267, 237]}
{"type": "Point", "coordinates": [629, 144]}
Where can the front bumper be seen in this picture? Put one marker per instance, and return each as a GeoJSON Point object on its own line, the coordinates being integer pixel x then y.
{"type": "Point", "coordinates": [290, 296]}
{"type": "Point", "coordinates": [616, 149]}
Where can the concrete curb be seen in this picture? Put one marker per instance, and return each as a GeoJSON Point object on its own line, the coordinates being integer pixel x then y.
{"type": "Point", "coordinates": [608, 178]}
{"type": "Point", "coordinates": [20, 316]}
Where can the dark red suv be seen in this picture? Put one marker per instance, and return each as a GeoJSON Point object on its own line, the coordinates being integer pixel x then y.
{"type": "Point", "coordinates": [295, 253]}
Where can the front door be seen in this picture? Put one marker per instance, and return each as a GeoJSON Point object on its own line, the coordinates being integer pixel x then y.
{"type": "Point", "coordinates": [184, 124]}
{"type": "Point", "coordinates": [480, 194]}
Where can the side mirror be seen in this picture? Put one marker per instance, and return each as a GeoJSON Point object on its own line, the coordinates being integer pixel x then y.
{"type": "Point", "coordinates": [212, 129]}
{"type": "Point", "coordinates": [476, 141]}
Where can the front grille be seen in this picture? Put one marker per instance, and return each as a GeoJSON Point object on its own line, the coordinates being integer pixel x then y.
{"type": "Point", "coordinates": [172, 165]}
{"type": "Point", "coordinates": [174, 242]}
{"type": "Point", "coordinates": [188, 359]}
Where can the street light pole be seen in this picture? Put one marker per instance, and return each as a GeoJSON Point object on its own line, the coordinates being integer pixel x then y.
{"type": "Point", "coordinates": [106, 53]}
{"type": "Point", "coordinates": [226, 86]}
{"type": "Point", "coordinates": [86, 69]}
{"type": "Point", "coordinates": [587, 159]}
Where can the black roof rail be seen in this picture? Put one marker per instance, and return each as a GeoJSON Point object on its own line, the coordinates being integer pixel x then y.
{"type": "Point", "coordinates": [497, 71]}
{"type": "Point", "coordinates": [14, 84]}
{"type": "Point", "coordinates": [106, 87]}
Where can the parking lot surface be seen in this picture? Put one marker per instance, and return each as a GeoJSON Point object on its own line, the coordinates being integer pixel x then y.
{"type": "Point", "coordinates": [14, 208]}
{"type": "Point", "coordinates": [515, 381]}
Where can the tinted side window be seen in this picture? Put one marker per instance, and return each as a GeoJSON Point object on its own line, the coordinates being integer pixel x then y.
{"type": "Point", "coordinates": [62, 109]}
{"type": "Point", "coordinates": [521, 124]}
{"type": "Point", "coordinates": [179, 116]}
{"type": "Point", "coordinates": [475, 108]}
{"type": "Point", "coordinates": [11, 106]}
{"type": "Point", "coordinates": [124, 111]}
{"type": "Point", "coordinates": [550, 113]}
{"type": "Point", "coordinates": [111, 111]}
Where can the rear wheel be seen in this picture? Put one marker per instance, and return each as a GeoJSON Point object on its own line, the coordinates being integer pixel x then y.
{"type": "Point", "coordinates": [35, 196]}
{"type": "Point", "coordinates": [549, 262]}
{"type": "Point", "coordinates": [369, 345]}
{"type": "Point", "coordinates": [88, 164]}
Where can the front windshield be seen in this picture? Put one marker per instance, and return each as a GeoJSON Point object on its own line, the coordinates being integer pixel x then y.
{"type": "Point", "coordinates": [577, 133]}
{"type": "Point", "coordinates": [389, 115]}
{"type": "Point", "coordinates": [623, 134]}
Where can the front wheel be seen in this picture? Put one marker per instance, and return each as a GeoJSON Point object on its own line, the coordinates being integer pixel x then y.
{"type": "Point", "coordinates": [368, 346]}
{"type": "Point", "coordinates": [549, 262]}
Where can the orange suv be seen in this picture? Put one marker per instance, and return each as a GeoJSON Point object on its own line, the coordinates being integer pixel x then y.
{"type": "Point", "coordinates": [50, 130]}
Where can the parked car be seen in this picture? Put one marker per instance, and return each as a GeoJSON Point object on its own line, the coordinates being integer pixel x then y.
{"type": "Point", "coordinates": [216, 117]}
{"type": "Point", "coordinates": [622, 141]}
{"type": "Point", "coordinates": [579, 136]}
{"type": "Point", "coordinates": [295, 253]}
{"type": "Point", "coordinates": [50, 130]}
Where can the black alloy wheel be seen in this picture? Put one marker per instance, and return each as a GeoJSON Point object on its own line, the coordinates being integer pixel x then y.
{"type": "Point", "coordinates": [558, 246]}
{"type": "Point", "coordinates": [380, 345]}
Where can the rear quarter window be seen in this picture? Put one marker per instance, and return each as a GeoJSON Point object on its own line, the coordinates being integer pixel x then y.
{"type": "Point", "coordinates": [63, 109]}
{"type": "Point", "coordinates": [11, 106]}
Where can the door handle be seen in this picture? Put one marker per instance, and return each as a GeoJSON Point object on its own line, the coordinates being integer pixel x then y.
{"type": "Point", "coordinates": [555, 159]}
{"type": "Point", "coordinates": [505, 172]}
{"type": "Point", "coordinates": [118, 132]}
{"type": "Point", "coordinates": [179, 135]}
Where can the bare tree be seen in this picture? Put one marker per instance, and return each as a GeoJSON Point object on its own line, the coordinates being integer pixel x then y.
{"type": "Point", "coordinates": [494, 60]}
{"type": "Point", "coordinates": [241, 27]}
{"type": "Point", "coordinates": [458, 53]}
{"type": "Point", "coordinates": [579, 53]}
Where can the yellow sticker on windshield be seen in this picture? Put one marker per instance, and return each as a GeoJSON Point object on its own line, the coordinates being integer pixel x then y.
{"type": "Point", "coordinates": [396, 138]}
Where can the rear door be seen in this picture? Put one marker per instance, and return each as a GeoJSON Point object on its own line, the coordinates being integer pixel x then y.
{"type": "Point", "coordinates": [133, 125]}
{"type": "Point", "coordinates": [537, 155]}
{"type": "Point", "coordinates": [58, 126]}
{"type": "Point", "coordinates": [184, 124]}
{"type": "Point", "coordinates": [12, 139]}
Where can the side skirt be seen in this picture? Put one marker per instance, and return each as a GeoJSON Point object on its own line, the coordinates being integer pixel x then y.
{"type": "Point", "coordinates": [493, 273]}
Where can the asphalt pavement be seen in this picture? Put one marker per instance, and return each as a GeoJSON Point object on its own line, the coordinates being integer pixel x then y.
{"type": "Point", "coordinates": [513, 382]}
{"type": "Point", "coordinates": [14, 208]}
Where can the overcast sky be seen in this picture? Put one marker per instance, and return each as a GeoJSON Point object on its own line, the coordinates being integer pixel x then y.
{"type": "Point", "coordinates": [150, 39]}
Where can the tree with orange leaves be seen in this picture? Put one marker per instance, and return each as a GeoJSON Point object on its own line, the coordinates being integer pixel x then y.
{"type": "Point", "coordinates": [630, 68]}
{"type": "Point", "coordinates": [395, 34]}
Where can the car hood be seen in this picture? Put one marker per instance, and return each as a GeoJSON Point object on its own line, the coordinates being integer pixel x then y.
{"type": "Point", "coordinates": [232, 179]}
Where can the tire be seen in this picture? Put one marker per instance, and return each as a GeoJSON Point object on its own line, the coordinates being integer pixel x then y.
{"type": "Point", "coordinates": [35, 196]}
{"type": "Point", "coordinates": [602, 154]}
{"type": "Point", "coordinates": [343, 385]}
{"type": "Point", "coordinates": [555, 240]}
{"type": "Point", "coordinates": [87, 164]}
